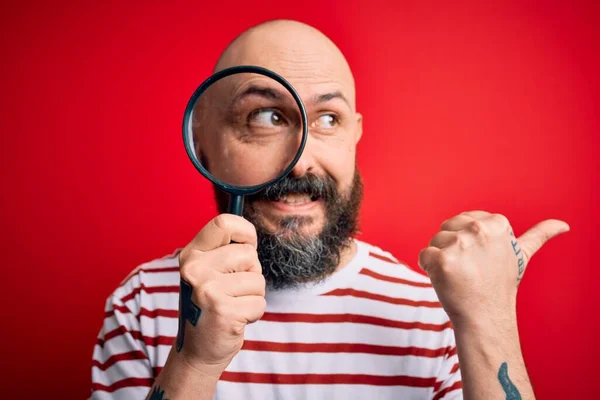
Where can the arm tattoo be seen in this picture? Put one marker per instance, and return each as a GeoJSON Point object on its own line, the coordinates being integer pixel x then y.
{"type": "Point", "coordinates": [519, 254]}
{"type": "Point", "coordinates": [157, 394]}
{"type": "Point", "coordinates": [512, 393]}
{"type": "Point", "coordinates": [188, 311]}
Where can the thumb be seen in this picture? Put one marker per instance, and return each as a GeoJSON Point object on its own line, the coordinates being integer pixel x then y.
{"type": "Point", "coordinates": [532, 240]}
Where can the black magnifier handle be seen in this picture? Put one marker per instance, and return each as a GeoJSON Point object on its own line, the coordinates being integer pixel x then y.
{"type": "Point", "coordinates": [236, 204]}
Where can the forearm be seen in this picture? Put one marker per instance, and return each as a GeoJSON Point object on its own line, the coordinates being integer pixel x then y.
{"type": "Point", "coordinates": [180, 381]}
{"type": "Point", "coordinates": [491, 362]}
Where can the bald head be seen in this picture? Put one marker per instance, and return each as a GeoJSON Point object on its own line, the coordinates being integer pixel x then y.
{"type": "Point", "coordinates": [300, 53]}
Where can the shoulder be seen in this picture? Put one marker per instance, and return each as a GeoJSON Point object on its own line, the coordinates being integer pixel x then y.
{"type": "Point", "coordinates": [166, 264]}
{"type": "Point", "coordinates": [159, 275]}
{"type": "Point", "coordinates": [390, 281]}
{"type": "Point", "coordinates": [381, 273]}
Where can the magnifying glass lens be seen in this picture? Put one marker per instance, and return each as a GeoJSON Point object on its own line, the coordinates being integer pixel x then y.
{"type": "Point", "coordinates": [246, 129]}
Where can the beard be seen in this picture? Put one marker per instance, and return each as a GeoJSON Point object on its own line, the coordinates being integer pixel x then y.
{"type": "Point", "coordinates": [288, 257]}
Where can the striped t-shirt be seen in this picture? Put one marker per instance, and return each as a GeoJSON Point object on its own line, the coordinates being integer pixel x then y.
{"type": "Point", "coordinates": [372, 330]}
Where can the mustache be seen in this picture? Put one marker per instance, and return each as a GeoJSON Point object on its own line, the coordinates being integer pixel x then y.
{"type": "Point", "coordinates": [317, 187]}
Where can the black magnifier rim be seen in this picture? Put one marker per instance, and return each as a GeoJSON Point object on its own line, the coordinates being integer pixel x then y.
{"type": "Point", "coordinates": [189, 147]}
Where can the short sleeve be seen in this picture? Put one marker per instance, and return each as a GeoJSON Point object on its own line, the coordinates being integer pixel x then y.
{"type": "Point", "coordinates": [448, 385]}
{"type": "Point", "coordinates": [120, 365]}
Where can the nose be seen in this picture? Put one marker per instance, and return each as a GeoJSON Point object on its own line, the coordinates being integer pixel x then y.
{"type": "Point", "coordinates": [306, 163]}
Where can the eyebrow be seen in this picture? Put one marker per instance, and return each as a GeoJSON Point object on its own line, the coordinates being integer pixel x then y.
{"type": "Point", "coordinates": [261, 91]}
{"type": "Point", "coordinates": [273, 94]}
{"type": "Point", "coordinates": [324, 98]}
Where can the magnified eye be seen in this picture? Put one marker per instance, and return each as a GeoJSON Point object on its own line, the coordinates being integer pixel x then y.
{"type": "Point", "coordinates": [327, 121]}
{"type": "Point", "coordinates": [266, 118]}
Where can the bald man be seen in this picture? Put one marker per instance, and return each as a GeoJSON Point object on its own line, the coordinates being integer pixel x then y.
{"type": "Point", "coordinates": [287, 304]}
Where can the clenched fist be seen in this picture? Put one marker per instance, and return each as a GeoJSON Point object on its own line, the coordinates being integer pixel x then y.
{"type": "Point", "coordinates": [222, 290]}
{"type": "Point", "coordinates": [475, 264]}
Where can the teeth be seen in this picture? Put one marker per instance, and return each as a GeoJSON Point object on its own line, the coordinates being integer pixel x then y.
{"type": "Point", "coordinates": [295, 198]}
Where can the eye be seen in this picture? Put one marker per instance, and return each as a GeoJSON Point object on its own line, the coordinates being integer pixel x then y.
{"type": "Point", "coordinates": [327, 121]}
{"type": "Point", "coordinates": [266, 118]}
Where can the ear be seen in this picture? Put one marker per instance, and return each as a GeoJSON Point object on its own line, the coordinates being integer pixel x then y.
{"type": "Point", "coordinates": [359, 127]}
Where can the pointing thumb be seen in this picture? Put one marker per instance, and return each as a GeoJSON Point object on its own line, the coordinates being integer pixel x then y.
{"type": "Point", "coordinates": [532, 240]}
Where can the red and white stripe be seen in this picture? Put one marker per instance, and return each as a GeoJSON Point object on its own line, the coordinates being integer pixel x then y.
{"type": "Point", "coordinates": [374, 329]}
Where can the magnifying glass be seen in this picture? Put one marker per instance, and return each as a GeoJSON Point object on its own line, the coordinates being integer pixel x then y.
{"type": "Point", "coordinates": [244, 129]}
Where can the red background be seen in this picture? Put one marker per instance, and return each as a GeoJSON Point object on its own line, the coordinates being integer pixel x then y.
{"type": "Point", "coordinates": [474, 106]}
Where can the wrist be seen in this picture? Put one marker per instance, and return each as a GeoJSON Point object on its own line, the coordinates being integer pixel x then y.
{"type": "Point", "coordinates": [490, 338]}
{"type": "Point", "coordinates": [489, 322]}
{"type": "Point", "coordinates": [182, 380]}
{"type": "Point", "coordinates": [208, 370]}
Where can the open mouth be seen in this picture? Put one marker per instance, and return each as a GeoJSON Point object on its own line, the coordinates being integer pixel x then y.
{"type": "Point", "coordinates": [297, 198]}
{"type": "Point", "coordinates": [295, 202]}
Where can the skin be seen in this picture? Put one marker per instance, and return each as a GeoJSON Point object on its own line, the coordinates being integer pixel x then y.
{"type": "Point", "coordinates": [251, 146]}
{"type": "Point", "coordinates": [475, 262]}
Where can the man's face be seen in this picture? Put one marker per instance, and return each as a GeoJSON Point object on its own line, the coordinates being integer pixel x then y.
{"type": "Point", "coordinates": [315, 209]}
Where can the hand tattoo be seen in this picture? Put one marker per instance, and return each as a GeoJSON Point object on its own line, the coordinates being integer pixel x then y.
{"type": "Point", "coordinates": [520, 258]}
{"type": "Point", "coordinates": [157, 394]}
{"type": "Point", "coordinates": [512, 393]}
{"type": "Point", "coordinates": [188, 311]}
